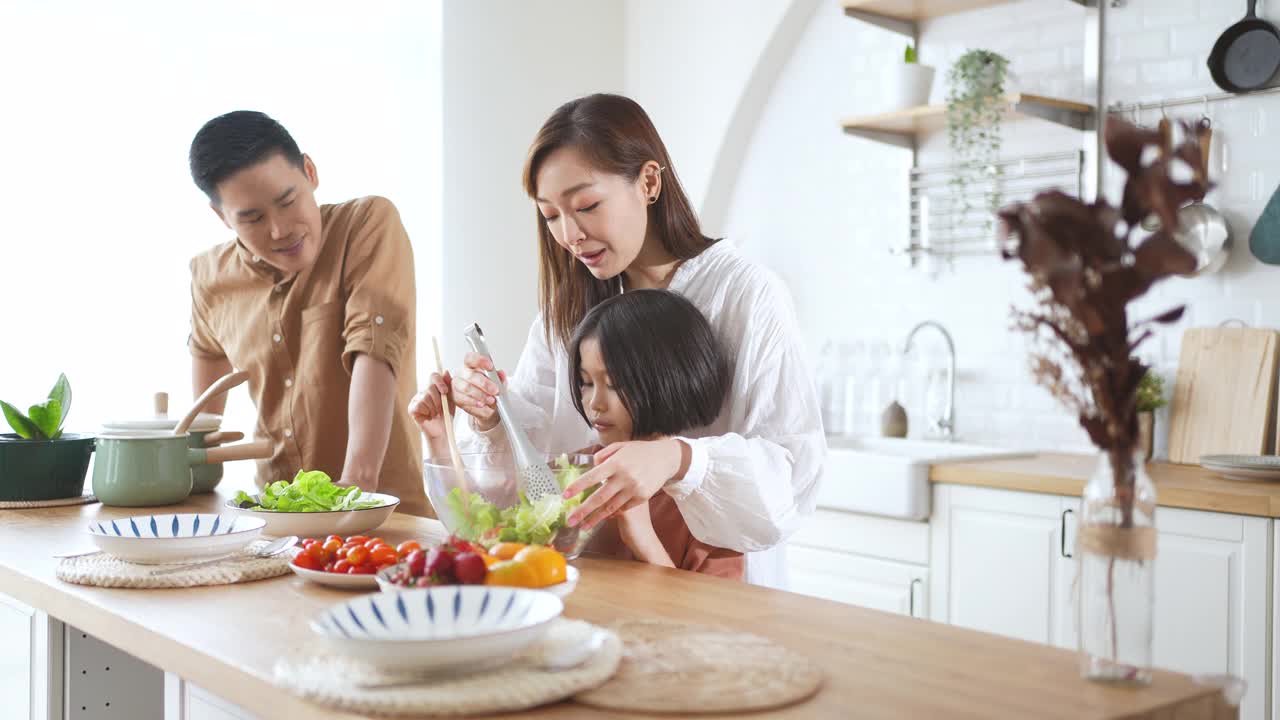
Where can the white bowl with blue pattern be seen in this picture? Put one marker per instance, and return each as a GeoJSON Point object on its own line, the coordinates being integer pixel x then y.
{"type": "Point", "coordinates": [450, 628]}
{"type": "Point", "coordinates": [168, 538]}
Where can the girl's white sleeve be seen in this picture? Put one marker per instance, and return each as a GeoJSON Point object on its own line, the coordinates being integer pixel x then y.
{"type": "Point", "coordinates": [531, 392]}
{"type": "Point", "coordinates": [749, 490]}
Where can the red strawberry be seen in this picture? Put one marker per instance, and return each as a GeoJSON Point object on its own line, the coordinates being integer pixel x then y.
{"type": "Point", "coordinates": [439, 562]}
{"type": "Point", "coordinates": [417, 563]}
{"type": "Point", "coordinates": [469, 568]}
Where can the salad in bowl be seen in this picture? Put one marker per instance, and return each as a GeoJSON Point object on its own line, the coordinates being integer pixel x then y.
{"type": "Point", "coordinates": [483, 504]}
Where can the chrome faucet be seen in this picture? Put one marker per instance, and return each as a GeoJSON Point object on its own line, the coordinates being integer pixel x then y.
{"type": "Point", "coordinates": [946, 427]}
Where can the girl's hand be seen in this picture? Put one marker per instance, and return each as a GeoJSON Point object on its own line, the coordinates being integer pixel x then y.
{"type": "Point", "coordinates": [427, 408]}
{"type": "Point", "coordinates": [631, 473]}
{"type": "Point", "coordinates": [635, 527]}
{"type": "Point", "coordinates": [475, 394]}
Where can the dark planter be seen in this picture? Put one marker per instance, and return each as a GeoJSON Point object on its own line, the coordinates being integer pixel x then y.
{"type": "Point", "coordinates": [43, 469]}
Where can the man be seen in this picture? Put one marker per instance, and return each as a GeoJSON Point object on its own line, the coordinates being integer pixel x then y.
{"type": "Point", "coordinates": [316, 303]}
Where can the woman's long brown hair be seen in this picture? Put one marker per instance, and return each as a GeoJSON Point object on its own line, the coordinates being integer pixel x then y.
{"type": "Point", "coordinates": [615, 136]}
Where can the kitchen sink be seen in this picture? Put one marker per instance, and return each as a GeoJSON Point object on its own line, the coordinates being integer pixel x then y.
{"type": "Point", "coordinates": [890, 476]}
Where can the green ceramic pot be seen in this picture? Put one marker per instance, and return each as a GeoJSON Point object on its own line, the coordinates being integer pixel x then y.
{"type": "Point", "coordinates": [43, 469]}
{"type": "Point", "coordinates": [143, 468]}
{"type": "Point", "coordinates": [205, 477]}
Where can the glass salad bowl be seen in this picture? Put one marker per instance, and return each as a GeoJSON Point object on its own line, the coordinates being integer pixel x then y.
{"type": "Point", "coordinates": [484, 504]}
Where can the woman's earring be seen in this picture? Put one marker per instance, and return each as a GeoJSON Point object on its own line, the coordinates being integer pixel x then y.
{"type": "Point", "coordinates": [653, 199]}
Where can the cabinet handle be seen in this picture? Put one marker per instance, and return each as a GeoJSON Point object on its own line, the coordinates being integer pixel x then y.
{"type": "Point", "coordinates": [1062, 535]}
{"type": "Point", "coordinates": [911, 597]}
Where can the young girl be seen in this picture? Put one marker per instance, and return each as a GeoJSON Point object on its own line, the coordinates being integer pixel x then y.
{"type": "Point", "coordinates": [644, 365]}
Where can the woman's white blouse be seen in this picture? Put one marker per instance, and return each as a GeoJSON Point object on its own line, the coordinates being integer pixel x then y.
{"type": "Point", "coordinates": [754, 472]}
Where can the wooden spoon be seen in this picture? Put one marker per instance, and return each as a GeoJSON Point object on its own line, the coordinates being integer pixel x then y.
{"type": "Point", "coordinates": [448, 420]}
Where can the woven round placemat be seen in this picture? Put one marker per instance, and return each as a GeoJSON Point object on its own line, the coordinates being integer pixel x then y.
{"type": "Point", "coordinates": [317, 673]}
{"type": "Point", "coordinates": [104, 570]}
{"type": "Point", "coordinates": [60, 502]}
{"type": "Point", "coordinates": [686, 669]}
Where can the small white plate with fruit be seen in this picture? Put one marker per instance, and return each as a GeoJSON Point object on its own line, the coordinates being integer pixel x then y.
{"type": "Point", "coordinates": [458, 562]}
{"type": "Point", "coordinates": [349, 563]}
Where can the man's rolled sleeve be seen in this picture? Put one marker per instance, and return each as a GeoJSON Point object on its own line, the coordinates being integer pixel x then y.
{"type": "Point", "coordinates": [201, 342]}
{"type": "Point", "coordinates": [378, 280]}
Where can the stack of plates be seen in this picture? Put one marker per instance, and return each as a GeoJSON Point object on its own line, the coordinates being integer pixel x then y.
{"type": "Point", "coordinates": [1243, 467]}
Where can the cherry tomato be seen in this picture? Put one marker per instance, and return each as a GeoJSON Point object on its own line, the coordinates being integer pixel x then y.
{"type": "Point", "coordinates": [358, 555]}
{"type": "Point", "coordinates": [317, 551]}
{"type": "Point", "coordinates": [328, 567]}
{"type": "Point", "coordinates": [374, 543]}
{"type": "Point", "coordinates": [406, 547]}
{"type": "Point", "coordinates": [382, 556]}
{"type": "Point", "coordinates": [333, 538]}
{"type": "Point", "coordinates": [365, 569]}
{"type": "Point", "coordinates": [341, 552]}
{"type": "Point", "coordinates": [359, 539]}
{"type": "Point", "coordinates": [305, 561]}
{"type": "Point", "coordinates": [332, 545]}
{"type": "Point", "coordinates": [308, 543]}
{"type": "Point", "coordinates": [341, 566]}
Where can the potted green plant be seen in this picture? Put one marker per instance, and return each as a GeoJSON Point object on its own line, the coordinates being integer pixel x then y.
{"type": "Point", "coordinates": [38, 461]}
{"type": "Point", "coordinates": [1150, 398]}
{"type": "Point", "coordinates": [975, 103]}
{"type": "Point", "coordinates": [909, 82]}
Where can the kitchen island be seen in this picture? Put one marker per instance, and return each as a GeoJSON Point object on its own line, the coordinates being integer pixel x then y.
{"type": "Point", "coordinates": [226, 639]}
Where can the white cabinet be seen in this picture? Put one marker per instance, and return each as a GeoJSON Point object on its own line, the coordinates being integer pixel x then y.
{"type": "Point", "coordinates": [184, 701]}
{"type": "Point", "coordinates": [996, 562]}
{"type": "Point", "coordinates": [1001, 562]}
{"type": "Point", "coordinates": [873, 562]}
{"type": "Point", "coordinates": [1213, 579]}
{"type": "Point", "coordinates": [858, 580]}
{"type": "Point", "coordinates": [30, 663]}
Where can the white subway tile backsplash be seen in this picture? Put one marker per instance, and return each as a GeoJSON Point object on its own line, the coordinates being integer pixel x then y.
{"type": "Point", "coordinates": [809, 192]}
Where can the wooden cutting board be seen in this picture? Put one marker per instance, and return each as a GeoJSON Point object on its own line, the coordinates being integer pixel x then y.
{"type": "Point", "coordinates": [1224, 398]}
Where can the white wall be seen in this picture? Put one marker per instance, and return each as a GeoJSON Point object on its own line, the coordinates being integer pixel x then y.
{"type": "Point", "coordinates": [687, 64]}
{"type": "Point", "coordinates": [101, 101]}
{"type": "Point", "coordinates": [822, 208]}
{"type": "Point", "coordinates": [507, 66]}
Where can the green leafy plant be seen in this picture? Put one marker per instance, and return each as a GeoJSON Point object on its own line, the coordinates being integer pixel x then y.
{"type": "Point", "coordinates": [1150, 396]}
{"type": "Point", "coordinates": [43, 421]}
{"type": "Point", "coordinates": [974, 106]}
{"type": "Point", "coordinates": [910, 56]}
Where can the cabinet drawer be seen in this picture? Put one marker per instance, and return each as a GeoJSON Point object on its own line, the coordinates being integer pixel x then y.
{"type": "Point", "coordinates": [901, 540]}
{"type": "Point", "coordinates": [867, 582]}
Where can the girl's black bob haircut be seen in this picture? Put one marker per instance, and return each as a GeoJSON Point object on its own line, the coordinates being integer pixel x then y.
{"type": "Point", "coordinates": [662, 357]}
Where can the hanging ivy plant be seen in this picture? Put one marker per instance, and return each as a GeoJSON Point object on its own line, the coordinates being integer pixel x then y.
{"type": "Point", "coordinates": [976, 85]}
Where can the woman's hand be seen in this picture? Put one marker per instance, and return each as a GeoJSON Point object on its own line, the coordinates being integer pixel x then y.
{"type": "Point", "coordinates": [475, 394]}
{"type": "Point", "coordinates": [427, 407]}
{"type": "Point", "coordinates": [630, 473]}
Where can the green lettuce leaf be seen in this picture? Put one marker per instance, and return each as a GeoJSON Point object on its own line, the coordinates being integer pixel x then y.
{"type": "Point", "coordinates": [310, 491]}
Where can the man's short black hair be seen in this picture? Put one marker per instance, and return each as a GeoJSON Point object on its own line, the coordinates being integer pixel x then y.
{"type": "Point", "coordinates": [230, 143]}
{"type": "Point", "coordinates": [662, 357]}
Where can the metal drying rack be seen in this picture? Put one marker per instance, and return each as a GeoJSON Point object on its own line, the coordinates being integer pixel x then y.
{"type": "Point", "coordinates": [1202, 100]}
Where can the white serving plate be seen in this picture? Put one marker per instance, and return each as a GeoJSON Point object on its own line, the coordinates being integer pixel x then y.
{"type": "Point", "coordinates": [336, 580]}
{"type": "Point", "coordinates": [560, 590]}
{"type": "Point", "coordinates": [166, 538]}
{"type": "Point", "coordinates": [320, 524]}
{"type": "Point", "coordinates": [453, 628]}
{"type": "Point", "coordinates": [1243, 467]}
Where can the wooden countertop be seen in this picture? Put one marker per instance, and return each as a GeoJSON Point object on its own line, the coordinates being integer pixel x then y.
{"type": "Point", "coordinates": [1181, 486]}
{"type": "Point", "coordinates": [226, 639]}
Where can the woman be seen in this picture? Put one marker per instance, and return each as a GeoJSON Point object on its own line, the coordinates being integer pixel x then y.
{"type": "Point", "coordinates": [612, 217]}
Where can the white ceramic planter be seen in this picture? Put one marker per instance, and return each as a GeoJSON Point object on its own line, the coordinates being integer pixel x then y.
{"type": "Point", "coordinates": [909, 85]}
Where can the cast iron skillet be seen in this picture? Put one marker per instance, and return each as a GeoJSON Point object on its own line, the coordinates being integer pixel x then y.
{"type": "Point", "coordinates": [1247, 55]}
